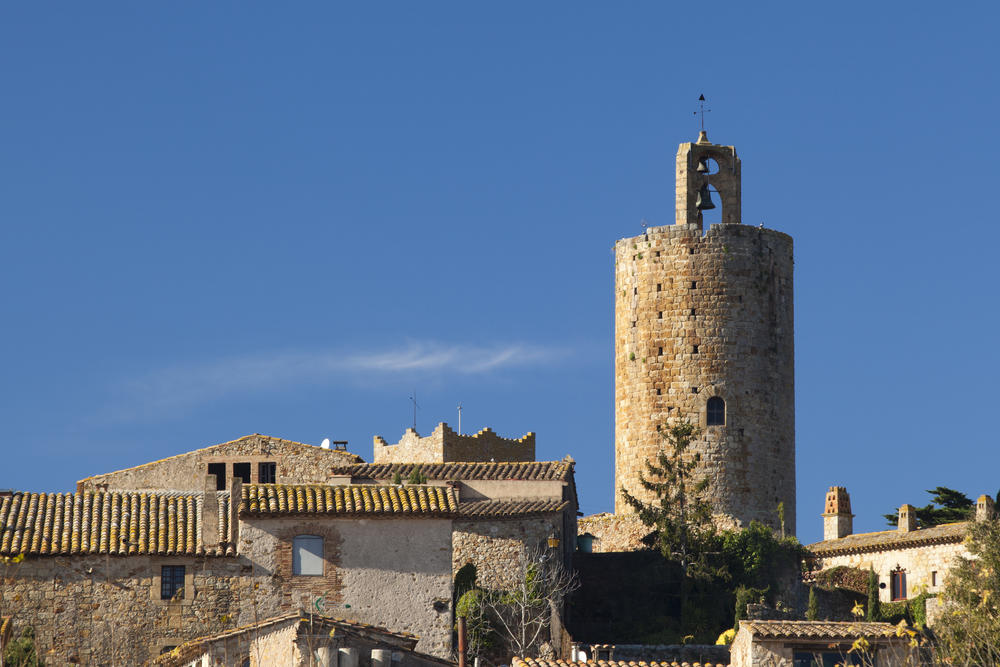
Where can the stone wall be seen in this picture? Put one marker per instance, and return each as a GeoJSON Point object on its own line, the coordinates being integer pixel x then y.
{"type": "Point", "coordinates": [614, 532]}
{"type": "Point", "coordinates": [702, 316]}
{"type": "Point", "coordinates": [394, 573]}
{"type": "Point", "coordinates": [444, 445]}
{"type": "Point", "coordinates": [495, 547]}
{"type": "Point", "coordinates": [926, 567]}
{"type": "Point", "coordinates": [296, 463]}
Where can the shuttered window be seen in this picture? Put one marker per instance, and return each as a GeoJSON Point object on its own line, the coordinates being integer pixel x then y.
{"type": "Point", "coordinates": [307, 555]}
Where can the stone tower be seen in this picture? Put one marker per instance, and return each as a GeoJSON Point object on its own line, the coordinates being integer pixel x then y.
{"type": "Point", "coordinates": [703, 332]}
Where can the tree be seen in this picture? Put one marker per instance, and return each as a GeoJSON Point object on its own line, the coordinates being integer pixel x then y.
{"type": "Point", "coordinates": [946, 506]}
{"type": "Point", "coordinates": [682, 517]}
{"type": "Point", "coordinates": [968, 629]}
{"type": "Point", "coordinates": [523, 614]}
{"type": "Point", "coordinates": [874, 608]}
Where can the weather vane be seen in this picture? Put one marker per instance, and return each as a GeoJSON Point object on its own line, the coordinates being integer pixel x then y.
{"type": "Point", "coordinates": [701, 110]}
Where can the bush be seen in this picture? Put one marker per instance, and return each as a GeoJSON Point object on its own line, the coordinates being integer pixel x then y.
{"type": "Point", "coordinates": [416, 477]}
{"type": "Point", "coordinates": [812, 611]}
{"type": "Point", "coordinates": [21, 651]}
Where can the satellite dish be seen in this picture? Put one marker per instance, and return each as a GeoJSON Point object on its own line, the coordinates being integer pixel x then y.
{"type": "Point", "coordinates": [325, 444]}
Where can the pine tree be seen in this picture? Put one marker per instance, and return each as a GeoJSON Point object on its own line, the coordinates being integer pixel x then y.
{"type": "Point", "coordinates": [681, 517]}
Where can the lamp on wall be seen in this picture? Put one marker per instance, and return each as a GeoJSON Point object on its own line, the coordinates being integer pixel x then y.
{"type": "Point", "coordinates": [553, 541]}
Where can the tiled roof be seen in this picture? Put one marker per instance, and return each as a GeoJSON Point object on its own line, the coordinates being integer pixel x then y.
{"type": "Point", "coordinates": [115, 522]}
{"type": "Point", "coordinates": [189, 650]}
{"type": "Point", "coordinates": [499, 509]}
{"type": "Point", "coordinates": [368, 499]}
{"type": "Point", "coordinates": [818, 629]}
{"type": "Point", "coordinates": [541, 662]}
{"type": "Point", "coordinates": [891, 539]}
{"type": "Point", "coordinates": [537, 470]}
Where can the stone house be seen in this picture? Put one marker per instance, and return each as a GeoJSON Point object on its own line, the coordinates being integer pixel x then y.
{"type": "Point", "coordinates": [805, 643]}
{"type": "Point", "coordinates": [298, 639]}
{"type": "Point", "coordinates": [141, 560]}
{"type": "Point", "coordinates": [908, 560]}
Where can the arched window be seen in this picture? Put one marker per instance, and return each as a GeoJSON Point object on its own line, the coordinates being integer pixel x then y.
{"type": "Point", "coordinates": [898, 579]}
{"type": "Point", "coordinates": [307, 555]}
{"type": "Point", "coordinates": [716, 412]}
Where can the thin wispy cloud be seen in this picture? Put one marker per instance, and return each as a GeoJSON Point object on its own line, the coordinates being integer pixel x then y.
{"type": "Point", "coordinates": [177, 389]}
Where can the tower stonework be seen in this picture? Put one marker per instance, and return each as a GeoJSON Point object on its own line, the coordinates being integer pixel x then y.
{"type": "Point", "coordinates": [704, 332]}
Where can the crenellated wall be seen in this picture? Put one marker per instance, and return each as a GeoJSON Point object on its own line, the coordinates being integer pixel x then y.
{"type": "Point", "coordinates": [444, 445]}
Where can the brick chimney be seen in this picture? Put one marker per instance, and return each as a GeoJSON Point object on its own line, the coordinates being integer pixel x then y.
{"type": "Point", "coordinates": [984, 508]}
{"type": "Point", "coordinates": [907, 518]}
{"type": "Point", "coordinates": [838, 521]}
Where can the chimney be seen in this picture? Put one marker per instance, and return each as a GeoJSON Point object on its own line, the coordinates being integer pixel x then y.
{"type": "Point", "coordinates": [907, 518]}
{"type": "Point", "coordinates": [838, 521]}
{"type": "Point", "coordinates": [985, 509]}
{"type": "Point", "coordinates": [210, 514]}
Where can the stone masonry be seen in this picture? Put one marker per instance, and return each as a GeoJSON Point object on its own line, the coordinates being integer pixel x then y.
{"type": "Point", "coordinates": [444, 445]}
{"type": "Point", "coordinates": [701, 316]}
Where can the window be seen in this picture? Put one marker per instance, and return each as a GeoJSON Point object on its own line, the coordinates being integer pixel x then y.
{"type": "Point", "coordinates": [242, 470]}
{"type": "Point", "coordinates": [267, 472]}
{"type": "Point", "coordinates": [715, 412]}
{"type": "Point", "coordinates": [219, 470]}
{"type": "Point", "coordinates": [167, 649]}
{"type": "Point", "coordinates": [934, 578]}
{"type": "Point", "coordinates": [898, 579]}
{"type": "Point", "coordinates": [172, 582]}
{"type": "Point", "coordinates": [307, 555]}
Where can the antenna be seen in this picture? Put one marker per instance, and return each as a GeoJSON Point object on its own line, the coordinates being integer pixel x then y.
{"type": "Point", "coordinates": [415, 406]}
{"type": "Point", "coordinates": [460, 419]}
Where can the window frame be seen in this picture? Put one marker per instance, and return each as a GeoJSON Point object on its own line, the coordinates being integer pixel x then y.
{"type": "Point", "coordinates": [172, 579]}
{"type": "Point", "coordinates": [712, 409]}
{"type": "Point", "coordinates": [897, 585]}
{"type": "Point", "coordinates": [299, 542]}
{"type": "Point", "coordinates": [272, 471]}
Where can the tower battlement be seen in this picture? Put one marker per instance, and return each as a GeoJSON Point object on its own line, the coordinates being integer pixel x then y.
{"type": "Point", "coordinates": [444, 444]}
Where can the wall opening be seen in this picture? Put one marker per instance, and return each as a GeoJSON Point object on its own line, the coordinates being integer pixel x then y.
{"type": "Point", "coordinates": [715, 412]}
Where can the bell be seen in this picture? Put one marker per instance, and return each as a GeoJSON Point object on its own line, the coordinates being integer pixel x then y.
{"type": "Point", "coordinates": [702, 166]}
{"type": "Point", "coordinates": [704, 200]}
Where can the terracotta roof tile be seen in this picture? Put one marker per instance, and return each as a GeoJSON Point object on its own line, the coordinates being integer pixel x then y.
{"type": "Point", "coordinates": [369, 499]}
{"type": "Point", "coordinates": [115, 522]}
{"type": "Point", "coordinates": [818, 629]}
{"type": "Point", "coordinates": [536, 470]}
{"type": "Point", "coordinates": [541, 662]}
{"type": "Point", "coordinates": [891, 539]}
{"type": "Point", "coordinates": [499, 509]}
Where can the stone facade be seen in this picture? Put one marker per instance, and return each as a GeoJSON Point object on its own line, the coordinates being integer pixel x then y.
{"type": "Point", "coordinates": [495, 547]}
{"type": "Point", "coordinates": [613, 532]}
{"type": "Point", "coordinates": [444, 445]}
{"type": "Point", "coordinates": [295, 462]}
{"type": "Point", "coordinates": [701, 317]}
{"type": "Point", "coordinates": [784, 643]}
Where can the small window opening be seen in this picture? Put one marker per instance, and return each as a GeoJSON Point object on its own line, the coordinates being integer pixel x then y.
{"type": "Point", "coordinates": [690, 251]}
{"type": "Point", "coordinates": [898, 581]}
{"type": "Point", "coordinates": [692, 312]}
{"type": "Point", "coordinates": [659, 351]}
{"type": "Point", "coordinates": [172, 582]}
{"type": "Point", "coordinates": [267, 472]}
{"type": "Point", "coordinates": [659, 315]}
{"type": "Point", "coordinates": [741, 298]}
{"type": "Point", "coordinates": [634, 323]}
{"type": "Point", "coordinates": [307, 555]}
{"type": "Point", "coordinates": [242, 470]}
{"type": "Point", "coordinates": [694, 390]}
{"type": "Point", "coordinates": [219, 470]}
{"type": "Point", "coordinates": [694, 284]}
{"type": "Point", "coordinates": [659, 286]}
{"type": "Point", "coordinates": [657, 253]}
{"type": "Point", "coordinates": [715, 412]}
{"type": "Point", "coordinates": [635, 290]}
{"type": "Point", "coordinates": [659, 391]}
{"type": "Point", "coordinates": [934, 578]}
{"type": "Point", "coordinates": [694, 349]}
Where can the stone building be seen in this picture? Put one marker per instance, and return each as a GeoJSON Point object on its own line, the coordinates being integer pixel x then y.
{"type": "Point", "coordinates": [139, 561]}
{"type": "Point", "coordinates": [793, 643]}
{"type": "Point", "coordinates": [908, 560]}
{"type": "Point", "coordinates": [704, 332]}
{"type": "Point", "coordinates": [444, 445]}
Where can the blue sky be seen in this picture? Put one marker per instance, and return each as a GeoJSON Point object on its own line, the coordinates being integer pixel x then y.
{"type": "Point", "coordinates": [226, 218]}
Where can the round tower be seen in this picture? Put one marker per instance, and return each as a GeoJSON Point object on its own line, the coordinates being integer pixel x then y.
{"type": "Point", "coordinates": [703, 332]}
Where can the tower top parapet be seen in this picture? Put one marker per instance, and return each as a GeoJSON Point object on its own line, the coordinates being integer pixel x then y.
{"type": "Point", "coordinates": [706, 170]}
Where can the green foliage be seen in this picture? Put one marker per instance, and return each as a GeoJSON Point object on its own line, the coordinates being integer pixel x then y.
{"type": "Point", "coordinates": [682, 516]}
{"type": "Point", "coordinates": [946, 506]}
{"type": "Point", "coordinates": [913, 611]}
{"type": "Point", "coordinates": [21, 651]}
{"type": "Point", "coordinates": [479, 632]}
{"type": "Point", "coordinates": [850, 578]}
{"type": "Point", "coordinates": [397, 478]}
{"type": "Point", "coordinates": [416, 477]}
{"type": "Point", "coordinates": [968, 631]}
{"type": "Point", "coordinates": [755, 557]}
{"type": "Point", "coordinates": [873, 611]}
{"type": "Point", "coordinates": [744, 596]}
{"type": "Point", "coordinates": [812, 611]}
